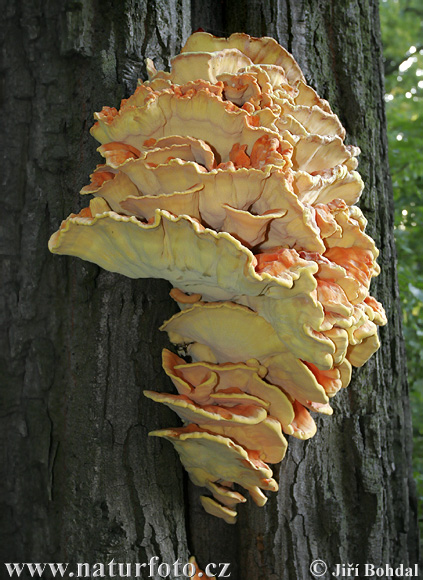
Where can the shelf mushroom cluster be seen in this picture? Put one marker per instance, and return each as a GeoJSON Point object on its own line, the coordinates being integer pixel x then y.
{"type": "Point", "coordinates": [229, 177]}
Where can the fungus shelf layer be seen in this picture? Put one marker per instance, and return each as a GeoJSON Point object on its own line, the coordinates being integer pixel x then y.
{"type": "Point", "coordinates": [229, 177]}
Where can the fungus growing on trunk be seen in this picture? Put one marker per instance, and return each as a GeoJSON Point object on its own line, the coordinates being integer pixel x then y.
{"type": "Point", "coordinates": [229, 177]}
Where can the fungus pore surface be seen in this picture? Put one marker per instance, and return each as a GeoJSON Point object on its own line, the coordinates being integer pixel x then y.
{"type": "Point", "coordinates": [228, 176]}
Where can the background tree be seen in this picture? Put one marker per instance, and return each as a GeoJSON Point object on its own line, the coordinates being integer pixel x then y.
{"type": "Point", "coordinates": [82, 481]}
{"type": "Point", "coordinates": [404, 100]}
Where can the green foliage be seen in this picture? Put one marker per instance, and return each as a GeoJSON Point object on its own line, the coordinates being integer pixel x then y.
{"type": "Point", "coordinates": [402, 33]}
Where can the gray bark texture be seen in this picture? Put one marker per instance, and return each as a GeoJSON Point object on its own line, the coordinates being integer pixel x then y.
{"type": "Point", "coordinates": [82, 481]}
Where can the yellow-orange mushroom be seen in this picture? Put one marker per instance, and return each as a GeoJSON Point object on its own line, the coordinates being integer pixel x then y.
{"type": "Point", "coordinates": [229, 177]}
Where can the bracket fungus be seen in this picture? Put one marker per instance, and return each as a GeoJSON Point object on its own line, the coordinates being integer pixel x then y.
{"type": "Point", "coordinates": [228, 176]}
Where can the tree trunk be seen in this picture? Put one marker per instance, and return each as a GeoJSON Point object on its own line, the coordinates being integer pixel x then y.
{"type": "Point", "coordinates": [83, 482]}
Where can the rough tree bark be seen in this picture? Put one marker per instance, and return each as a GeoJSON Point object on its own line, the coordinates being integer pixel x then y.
{"type": "Point", "coordinates": [82, 481]}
